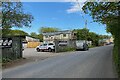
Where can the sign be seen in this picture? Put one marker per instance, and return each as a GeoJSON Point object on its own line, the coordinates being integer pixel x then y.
{"type": "Point", "coordinates": [62, 43]}
{"type": "Point", "coordinates": [6, 42]}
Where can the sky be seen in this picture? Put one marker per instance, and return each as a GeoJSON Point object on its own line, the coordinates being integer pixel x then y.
{"type": "Point", "coordinates": [62, 15]}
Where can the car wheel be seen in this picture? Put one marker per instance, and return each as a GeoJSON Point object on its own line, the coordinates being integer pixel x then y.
{"type": "Point", "coordinates": [50, 50]}
{"type": "Point", "coordinates": [38, 50]}
{"type": "Point", "coordinates": [85, 47]}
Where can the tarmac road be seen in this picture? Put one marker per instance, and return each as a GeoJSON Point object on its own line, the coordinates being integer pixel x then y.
{"type": "Point", "coordinates": [95, 63]}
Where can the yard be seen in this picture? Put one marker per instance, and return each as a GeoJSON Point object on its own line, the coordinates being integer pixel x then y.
{"type": "Point", "coordinates": [31, 55]}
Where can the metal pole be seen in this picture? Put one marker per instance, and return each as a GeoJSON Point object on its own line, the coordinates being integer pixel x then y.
{"type": "Point", "coordinates": [85, 22]}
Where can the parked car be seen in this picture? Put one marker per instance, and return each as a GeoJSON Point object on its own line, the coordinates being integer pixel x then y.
{"type": "Point", "coordinates": [46, 47]}
{"type": "Point", "coordinates": [81, 45]}
{"type": "Point", "coordinates": [107, 44]}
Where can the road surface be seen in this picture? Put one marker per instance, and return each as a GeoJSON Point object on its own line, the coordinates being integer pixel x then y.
{"type": "Point", "coordinates": [95, 63]}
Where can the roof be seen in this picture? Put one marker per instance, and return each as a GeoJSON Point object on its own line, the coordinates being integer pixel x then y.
{"type": "Point", "coordinates": [21, 36]}
{"type": "Point", "coordinates": [58, 32]}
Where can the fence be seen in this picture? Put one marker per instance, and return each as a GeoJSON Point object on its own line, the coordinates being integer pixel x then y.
{"type": "Point", "coordinates": [64, 45]}
{"type": "Point", "coordinates": [33, 44]}
{"type": "Point", "coordinates": [11, 47]}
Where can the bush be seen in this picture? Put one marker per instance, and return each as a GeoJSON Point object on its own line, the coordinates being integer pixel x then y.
{"type": "Point", "coordinates": [92, 46]}
{"type": "Point", "coordinates": [5, 60]}
{"type": "Point", "coordinates": [116, 58]}
{"type": "Point", "coordinates": [65, 49]}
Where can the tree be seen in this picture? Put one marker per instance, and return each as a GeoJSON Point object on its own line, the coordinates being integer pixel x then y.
{"type": "Point", "coordinates": [94, 38]}
{"type": "Point", "coordinates": [33, 34]}
{"type": "Point", "coordinates": [18, 32]}
{"type": "Point", "coordinates": [82, 34]}
{"type": "Point", "coordinates": [107, 13]}
{"type": "Point", "coordinates": [13, 16]}
{"type": "Point", "coordinates": [104, 36]}
{"type": "Point", "coordinates": [48, 29]}
{"type": "Point", "coordinates": [38, 36]}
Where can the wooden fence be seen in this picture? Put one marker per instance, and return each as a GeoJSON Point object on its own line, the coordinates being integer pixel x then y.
{"type": "Point", "coordinates": [33, 44]}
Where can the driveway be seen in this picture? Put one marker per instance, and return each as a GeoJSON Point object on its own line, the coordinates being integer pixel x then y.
{"type": "Point", "coordinates": [32, 54]}
{"type": "Point", "coordinates": [29, 55]}
{"type": "Point", "coordinates": [95, 63]}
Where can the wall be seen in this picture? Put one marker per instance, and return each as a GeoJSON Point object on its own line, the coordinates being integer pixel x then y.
{"type": "Point", "coordinates": [70, 45]}
{"type": "Point", "coordinates": [13, 52]}
{"type": "Point", "coordinates": [30, 39]}
{"type": "Point", "coordinates": [60, 36]}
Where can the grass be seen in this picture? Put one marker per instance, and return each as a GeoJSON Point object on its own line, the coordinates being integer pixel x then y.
{"type": "Point", "coordinates": [92, 46]}
{"type": "Point", "coordinates": [66, 49]}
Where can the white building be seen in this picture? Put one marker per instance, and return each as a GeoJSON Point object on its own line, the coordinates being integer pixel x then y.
{"type": "Point", "coordinates": [60, 35]}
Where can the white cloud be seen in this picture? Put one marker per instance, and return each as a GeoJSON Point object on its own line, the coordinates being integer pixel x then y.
{"type": "Point", "coordinates": [76, 7]}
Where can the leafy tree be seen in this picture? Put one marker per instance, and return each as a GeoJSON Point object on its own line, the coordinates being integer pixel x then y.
{"type": "Point", "coordinates": [82, 34]}
{"type": "Point", "coordinates": [94, 38]}
{"type": "Point", "coordinates": [38, 36]}
{"type": "Point", "coordinates": [104, 36]}
{"type": "Point", "coordinates": [107, 13]}
{"type": "Point", "coordinates": [33, 34]}
{"type": "Point", "coordinates": [13, 16]}
{"type": "Point", "coordinates": [48, 29]}
{"type": "Point", "coordinates": [17, 32]}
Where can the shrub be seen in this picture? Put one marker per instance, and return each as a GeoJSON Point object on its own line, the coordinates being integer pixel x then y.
{"type": "Point", "coordinates": [116, 58]}
{"type": "Point", "coordinates": [65, 49]}
{"type": "Point", "coordinates": [5, 60]}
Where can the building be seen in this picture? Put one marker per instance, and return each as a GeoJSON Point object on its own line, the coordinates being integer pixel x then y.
{"type": "Point", "coordinates": [31, 39]}
{"type": "Point", "coordinates": [30, 42]}
{"type": "Point", "coordinates": [59, 35]}
{"type": "Point", "coordinates": [106, 41]}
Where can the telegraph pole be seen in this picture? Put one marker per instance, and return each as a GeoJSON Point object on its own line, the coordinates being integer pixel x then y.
{"type": "Point", "coordinates": [86, 24]}
{"type": "Point", "coordinates": [85, 20]}
{"type": "Point", "coordinates": [83, 16]}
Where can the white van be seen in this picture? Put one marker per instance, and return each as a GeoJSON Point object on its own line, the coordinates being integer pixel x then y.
{"type": "Point", "coordinates": [82, 45]}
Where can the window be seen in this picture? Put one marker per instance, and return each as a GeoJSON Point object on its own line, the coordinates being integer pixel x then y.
{"type": "Point", "coordinates": [44, 44]}
{"type": "Point", "coordinates": [64, 35]}
{"type": "Point", "coordinates": [50, 44]}
{"type": "Point", "coordinates": [41, 45]}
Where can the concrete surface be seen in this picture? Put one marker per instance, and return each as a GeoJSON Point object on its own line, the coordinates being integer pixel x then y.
{"type": "Point", "coordinates": [32, 54]}
{"type": "Point", "coordinates": [95, 63]}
